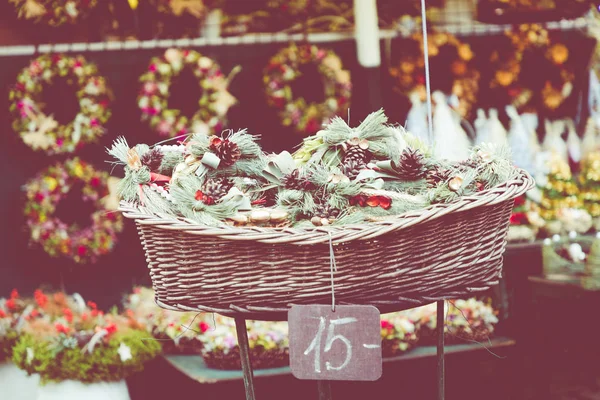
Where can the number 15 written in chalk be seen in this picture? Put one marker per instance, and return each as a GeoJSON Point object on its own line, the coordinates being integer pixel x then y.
{"type": "Point", "coordinates": [340, 345]}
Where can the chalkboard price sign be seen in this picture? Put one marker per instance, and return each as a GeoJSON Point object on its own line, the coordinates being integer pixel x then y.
{"type": "Point", "coordinates": [344, 344]}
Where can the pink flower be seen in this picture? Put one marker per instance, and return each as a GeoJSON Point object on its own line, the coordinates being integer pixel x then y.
{"type": "Point", "coordinates": [59, 142]}
{"type": "Point", "coordinates": [150, 87]}
{"type": "Point", "coordinates": [164, 127]}
{"type": "Point", "coordinates": [152, 68]}
{"type": "Point", "coordinates": [94, 122]}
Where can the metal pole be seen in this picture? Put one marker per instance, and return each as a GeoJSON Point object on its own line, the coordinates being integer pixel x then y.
{"type": "Point", "coordinates": [440, 349]}
{"type": "Point", "coordinates": [324, 388]}
{"type": "Point", "coordinates": [242, 335]}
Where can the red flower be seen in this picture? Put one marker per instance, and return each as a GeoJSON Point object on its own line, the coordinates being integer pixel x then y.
{"type": "Point", "coordinates": [519, 201]}
{"type": "Point", "coordinates": [386, 325]}
{"type": "Point", "coordinates": [152, 68]}
{"type": "Point", "coordinates": [60, 328]}
{"type": "Point", "coordinates": [39, 197]}
{"type": "Point", "coordinates": [203, 326]}
{"type": "Point", "coordinates": [84, 316]}
{"type": "Point", "coordinates": [40, 298]}
{"type": "Point", "coordinates": [34, 313]}
{"type": "Point", "coordinates": [518, 218]}
{"type": "Point", "coordinates": [68, 314]}
{"type": "Point", "coordinates": [14, 294]}
{"type": "Point", "coordinates": [81, 250]}
{"type": "Point", "coordinates": [2, 313]}
{"type": "Point", "coordinates": [95, 181]}
{"type": "Point", "coordinates": [92, 305]}
{"type": "Point", "coordinates": [111, 328]}
{"type": "Point", "coordinates": [10, 303]}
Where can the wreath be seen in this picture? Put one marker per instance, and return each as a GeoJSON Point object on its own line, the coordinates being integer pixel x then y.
{"type": "Point", "coordinates": [53, 12]}
{"type": "Point", "coordinates": [45, 192]}
{"type": "Point", "coordinates": [283, 69]}
{"type": "Point", "coordinates": [409, 72]}
{"type": "Point", "coordinates": [214, 101]}
{"type": "Point", "coordinates": [41, 131]}
{"type": "Point", "coordinates": [506, 64]}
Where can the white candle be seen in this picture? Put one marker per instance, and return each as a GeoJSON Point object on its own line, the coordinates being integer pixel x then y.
{"type": "Point", "coordinates": [366, 32]}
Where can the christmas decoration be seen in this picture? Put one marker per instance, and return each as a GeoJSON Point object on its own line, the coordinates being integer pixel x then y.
{"type": "Point", "coordinates": [53, 12]}
{"type": "Point", "coordinates": [41, 131]}
{"type": "Point", "coordinates": [214, 101]}
{"type": "Point", "coordinates": [177, 332]}
{"type": "Point", "coordinates": [58, 239]}
{"type": "Point", "coordinates": [560, 191]}
{"type": "Point", "coordinates": [341, 175]}
{"type": "Point", "coordinates": [469, 320]}
{"type": "Point", "coordinates": [268, 344]}
{"type": "Point", "coordinates": [398, 334]}
{"type": "Point", "coordinates": [409, 72]}
{"type": "Point", "coordinates": [507, 61]}
{"type": "Point", "coordinates": [80, 343]}
{"type": "Point", "coordinates": [589, 180]}
{"type": "Point", "coordinates": [284, 67]}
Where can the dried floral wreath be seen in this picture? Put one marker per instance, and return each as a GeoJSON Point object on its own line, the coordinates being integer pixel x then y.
{"type": "Point", "coordinates": [53, 12]}
{"type": "Point", "coordinates": [342, 175]}
{"type": "Point", "coordinates": [41, 131]}
{"type": "Point", "coordinates": [409, 72]}
{"type": "Point", "coordinates": [214, 102]}
{"type": "Point", "coordinates": [56, 237]}
{"type": "Point", "coordinates": [507, 68]}
{"type": "Point", "coordinates": [283, 68]}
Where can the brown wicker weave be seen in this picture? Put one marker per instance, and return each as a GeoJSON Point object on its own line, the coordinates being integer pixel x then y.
{"type": "Point", "coordinates": [442, 252]}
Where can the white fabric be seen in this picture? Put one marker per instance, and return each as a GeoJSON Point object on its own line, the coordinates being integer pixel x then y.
{"type": "Point", "coordinates": [480, 124]}
{"type": "Point", "coordinates": [15, 384]}
{"type": "Point", "coordinates": [553, 142]}
{"type": "Point", "coordinates": [519, 139]}
{"type": "Point", "coordinates": [416, 121]}
{"type": "Point", "coordinates": [450, 140]}
{"type": "Point", "coordinates": [573, 142]}
{"type": "Point", "coordinates": [73, 390]}
{"type": "Point", "coordinates": [495, 130]}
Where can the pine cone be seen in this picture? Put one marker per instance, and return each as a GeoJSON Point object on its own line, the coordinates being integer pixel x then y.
{"type": "Point", "coordinates": [227, 151]}
{"type": "Point", "coordinates": [294, 181]}
{"type": "Point", "coordinates": [354, 152]}
{"type": "Point", "coordinates": [437, 175]}
{"type": "Point", "coordinates": [352, 167]}
{"type": "Point", "coordinates": [213, 190]}
{"type": "Point", "coordinates": [465, 165]}
{"type": "Point", "coordinates": [152, 159]}
{"type": "Point", "coordinates": [325, 210]}
{"type": "Point", "coordinates": [411, 165]}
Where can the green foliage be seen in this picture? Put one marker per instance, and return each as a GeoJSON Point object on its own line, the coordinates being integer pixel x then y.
{"type": "Point", "coordinates": [102, 365]}
{"type": "Point", "coordinates": [7, 343]}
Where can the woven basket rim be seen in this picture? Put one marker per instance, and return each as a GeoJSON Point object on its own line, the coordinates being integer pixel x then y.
{"type": "Point", "coordinates": [506, 191]}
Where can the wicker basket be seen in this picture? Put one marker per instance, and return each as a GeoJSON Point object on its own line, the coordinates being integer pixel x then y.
{"type": "Point", "coordinates": [441, 252]}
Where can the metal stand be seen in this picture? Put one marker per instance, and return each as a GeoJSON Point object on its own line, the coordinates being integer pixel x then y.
{"type": "Point", "coordinates": [324, 388]}
{"type": "Point", "coordinates": [242, 334]}
{"type": "Point", "coordinates": [440, 349]}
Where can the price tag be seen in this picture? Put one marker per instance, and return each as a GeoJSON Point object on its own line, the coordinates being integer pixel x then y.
{"type": "Point", "coordinates": [341, 345]}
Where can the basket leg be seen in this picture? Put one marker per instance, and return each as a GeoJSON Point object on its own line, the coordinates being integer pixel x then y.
{"type": "Point", "coordinates": [324, 388]}
{"type": "Point", "coordinates": [242, 335]}
{"type": "Point", "coordinates": [441, 375]}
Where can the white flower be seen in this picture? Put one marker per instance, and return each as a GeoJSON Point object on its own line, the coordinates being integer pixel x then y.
{"type": "Point", "coordinates": [143, 102]}
{"type": "Point", "coordinates": [164, 69]}
{"type": "Point", "coordinates": [92, 89]}
{"type": "Point", "coordinates": [163, 88]}
{"type": "Point", "coordinates": [205, 63]}
{"type": "Point", "coordinates": [30, 355]}
{"type": "Point", "coordinates": [124, 352]}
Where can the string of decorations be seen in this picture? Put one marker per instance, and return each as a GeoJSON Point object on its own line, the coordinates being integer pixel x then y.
{"type": "Point", "coordinates": [214, 102]}
{"type": "Point", "coordinates": [41, 131]}
{"type": "Point", "coordinates": [284, 68]}
{"type": "Point", "coordinates": [58, 239]}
